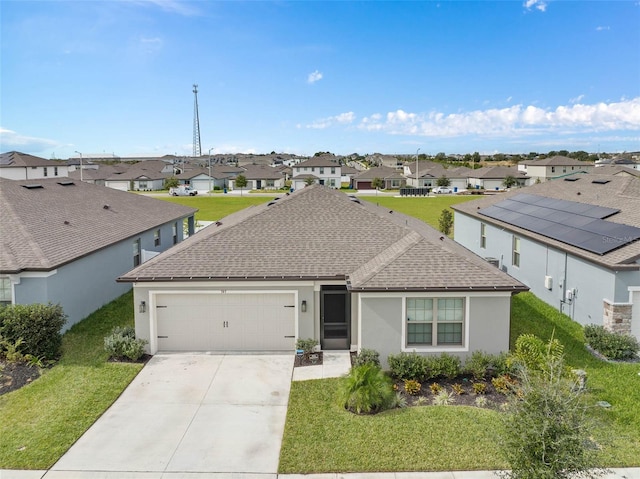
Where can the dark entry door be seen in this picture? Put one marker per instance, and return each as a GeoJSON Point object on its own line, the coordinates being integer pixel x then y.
{"type": "Point", "coordinates": [335, 324]}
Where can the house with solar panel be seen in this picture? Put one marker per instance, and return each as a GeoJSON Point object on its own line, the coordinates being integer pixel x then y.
{"type": "Point", "coordinates": [575, 242]}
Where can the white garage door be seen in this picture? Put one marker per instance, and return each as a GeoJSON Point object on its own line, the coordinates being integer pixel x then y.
{"type": "Point", "coordinates": [226, 322]}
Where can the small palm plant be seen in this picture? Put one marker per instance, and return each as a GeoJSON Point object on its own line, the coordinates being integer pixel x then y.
{"type": "Point", "coordinates": [366, 389]}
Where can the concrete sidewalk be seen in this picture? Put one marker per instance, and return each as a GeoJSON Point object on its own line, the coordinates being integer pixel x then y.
{"type": "Point", "coordinates": [619, 473]}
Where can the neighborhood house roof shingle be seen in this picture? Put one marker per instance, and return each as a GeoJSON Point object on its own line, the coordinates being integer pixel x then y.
{"type": "Point", "coordinates": [319, 233]}
{"type": "Point", "coordinates": [45, 227]}
{"type": "Point", "coordinates": [556, 161]}
{"type": "Point", "coordinates": [22, 160]}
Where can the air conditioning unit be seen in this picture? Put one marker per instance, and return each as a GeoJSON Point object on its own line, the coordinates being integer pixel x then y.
{"type": "Point", "coordinates": [548, 282]}
{"type": "Point", "coordinates": [494, 261]}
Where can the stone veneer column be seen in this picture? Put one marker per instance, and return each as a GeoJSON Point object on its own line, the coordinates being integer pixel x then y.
{"type": "Point", "coordinates": [617, 317]}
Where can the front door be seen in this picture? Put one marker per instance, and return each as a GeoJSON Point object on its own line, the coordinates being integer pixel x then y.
{"type": "Point", "coordinates": [335, 322]}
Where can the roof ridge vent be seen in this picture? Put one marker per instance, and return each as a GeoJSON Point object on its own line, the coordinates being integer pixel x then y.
{"type": "Point", "coordinates": [33, 186]}
{"type": "Point", "coordinates": [66, 183]}
{"type": "Point", "coordinates": [600, 182]}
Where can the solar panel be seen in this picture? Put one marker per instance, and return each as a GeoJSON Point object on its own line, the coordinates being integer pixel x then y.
{"type": "Point", "coordinates": [578, 224]}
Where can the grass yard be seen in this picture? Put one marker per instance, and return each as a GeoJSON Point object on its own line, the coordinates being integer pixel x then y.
{"type": "Point", "coordinates": [322, 437]}
{"type": "Point", "coordinates": [212, 208]}
{"type": "Point", "coordinates": [42, 420]}
{"type": "Point", "coordinates": [427, 209]}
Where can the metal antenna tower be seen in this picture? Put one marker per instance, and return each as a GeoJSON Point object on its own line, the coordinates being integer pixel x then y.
{"type": "Point", "coordinates": [197, 147]}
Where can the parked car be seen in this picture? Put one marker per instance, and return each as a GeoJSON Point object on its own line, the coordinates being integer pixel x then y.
{"type": "Point", "coordinates": [182, 190]}
{"type": "Point", "coordinates": [443, 189]}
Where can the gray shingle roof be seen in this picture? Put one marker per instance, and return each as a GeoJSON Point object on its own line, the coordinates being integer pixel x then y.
{"type": "Point", "coordinates": [621, 192]}
{"type": "Point", "coordinates": [381, 172]}
{"type": "Point", "coordinates": [556, 161]}
{"type": "Point", "coordinates": [320, 233]}
{"type": "Point", "coordinates": [13, 159]}
{"type": "Point", "coordinates": [44, 228]}
{"type": "Point", "coordinates": [319, 161]}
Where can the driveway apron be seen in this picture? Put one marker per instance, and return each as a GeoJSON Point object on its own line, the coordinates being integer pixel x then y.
{"type": "Point", "coordinates": [192, 413]}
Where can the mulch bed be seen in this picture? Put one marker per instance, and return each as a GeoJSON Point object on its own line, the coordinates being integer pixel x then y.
{"type": "Point", "coordinates": [313, 359]}
{"type": "Point", "coordinates": [464, 397]}
{"type": "Point", "coordinates": [15, 375]}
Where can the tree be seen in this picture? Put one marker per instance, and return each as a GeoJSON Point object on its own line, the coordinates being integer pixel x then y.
{"type": "Point", "coordinates": [546, 433]}
{"type": "Point", "coordinates": [171, 183]}
{"type": "Point", "coordinates": [443, 181]}
{"type": "Point", "coordinates": [309, 181]}
{"type": "Point", "coordinates": [241, 182]}
{"type": "Point", "coordinates": [445, 222]}
{"type": "Point", "coordinates": [476, 159]}
{"type": "Point", "coordinates": [509, 181]}
{"type": "Point", "coordinates": [377, 183]}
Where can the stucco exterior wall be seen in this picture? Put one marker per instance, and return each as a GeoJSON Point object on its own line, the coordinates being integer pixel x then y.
{"type": "Point", "coordinates": [487, 324]}
{"type": "Point", "coordinates": [88, 283]}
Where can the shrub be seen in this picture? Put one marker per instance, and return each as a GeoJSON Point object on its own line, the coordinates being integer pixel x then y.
{"type": "Point", "coordinates": [504, 384]}
{"type": "Point", "coordinates": [412, 387]}
{"type": "Point", "coordinates": [445, 365]}
{"type": "Point", "coordinates": [479, 388]}
{"type": "Point", "coordinates": [481, 364]}
{"type": "Point", "coordinates": [367, 356]}
{"type": "Point", "coordinates": [307, 345]}
{"type": "Point", "coordinates": [532, 353]}
{"type": "Point", "coordinates": [435, 388]}
{"type": "Point", "coordinates": [399, 401]}
{"type": "Point", "coordinates": [443, 398]}
{"type": "Point", "coordinates": [546, 432]}
{"type": "Point", "coordinates": [122, 343]}
{"type": "Point", "coordinates": [481, 401]}
{"type": "Point", "coordinates": [457, 388]}
{"type": "Point", "coordinates": [38, 325]}
{"type": "Point", "coordinates": [11, 351]}
{"type": "Point", "coordinates": [408, 366]}
{"type": "Point", "coordinates": [366, 389]}
{"type": "Point", "coordinates": [611, 345]}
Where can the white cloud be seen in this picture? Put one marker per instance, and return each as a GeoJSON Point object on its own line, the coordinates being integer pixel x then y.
{"type": "Point", "coordinates": [602, 28]}
{"type": "Point", "coordinates": [515, 120]}
{"type": "Point", "coordinates": [323, 123]}
{"type": "Point", "coordinates": [540, 5]}
{"type": "Point", "coordinates": [577, 99]}
{"type": "Point", "coordinates": [314, 77]}
{"type": "Point", "coordinates": [170, 6]}
{"type": "Point", "coordinates": [10, 140]}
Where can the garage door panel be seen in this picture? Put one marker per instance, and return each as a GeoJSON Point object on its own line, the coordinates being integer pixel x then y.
{"type": "Point", "coordinates": [226, 322]}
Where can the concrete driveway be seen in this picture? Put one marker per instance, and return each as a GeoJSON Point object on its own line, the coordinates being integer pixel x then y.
{"type": "Point", "coordinates": [190, 413]}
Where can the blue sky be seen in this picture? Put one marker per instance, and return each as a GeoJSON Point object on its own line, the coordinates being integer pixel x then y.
{"type": "Point", "coordinates": [301, 77]}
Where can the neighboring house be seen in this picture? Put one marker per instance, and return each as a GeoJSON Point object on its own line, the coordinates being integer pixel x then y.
{"type": "Point", "coordinates": [618, 170]}
{"type": "Point", "coordinates": [323, 170]}
{"type": "Point", "coordinates": [199, 179]}
{"type": "Point", "coordinates": [261, 177]}
{"type": "Point", "coordinates": [97, 174]}
{"type": "Point", "coordinates": [391, 177]}
{"type": "Point", "coordinates": [63, 241]}
{"type": "Point", "coordinates": [20, 166]}
{"type": "Point", "coordinates": [553, 167]}
{"type": "Point", "coordinates": [347, 173]}
{"type": "Point", "coordinates": [319, 264]}
{"type": "Point", "coordinates": [574, 242]}
{"type": "Point", "coordinates": [148, 175]}
{"type": "Point", "coordinates": [492, 178]}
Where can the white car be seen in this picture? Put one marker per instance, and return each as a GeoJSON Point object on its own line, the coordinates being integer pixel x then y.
{"type": "Point", "coordinates": [442, 189]}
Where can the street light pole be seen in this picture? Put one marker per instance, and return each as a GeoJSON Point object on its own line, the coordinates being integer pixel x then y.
{"type": "Point", "coordinates": [80, 165]}
{"type": "Point", "coordinates": [210, 171]}
{"type": "Point", "coordinates": [417, 176]}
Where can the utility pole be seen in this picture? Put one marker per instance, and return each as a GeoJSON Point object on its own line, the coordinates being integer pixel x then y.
{"type": "Point", "coordinates": [197, 147]}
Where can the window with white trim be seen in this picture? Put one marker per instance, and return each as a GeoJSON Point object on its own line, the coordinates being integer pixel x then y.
{"type": "Point", "coordinates": [5, 291]}
{"type": "Point", "coordinates": [137, 253]}
{"type": "Point", "coordinates": [515, 260]}
{"type": "Point", "coordinates": [156, 237]}
{"type": "Point", "coordinates": [46, 171]}
{"type": "Point", "coordinates": [435, 322]}
{"type": "Point", "coordinates": [174, 230]}
{"type": "Point", "coordinates": [483, 235]}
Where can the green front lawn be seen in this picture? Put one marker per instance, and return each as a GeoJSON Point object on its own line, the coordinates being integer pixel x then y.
{"type": "Point", "coordinates": [427, 209]}
{"type": "Point", "coordinates": [39, 422]}
{"type": "Point", "coordinates": [212, 208]}
{"type": "Point", "coordinates": [322, 437]}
